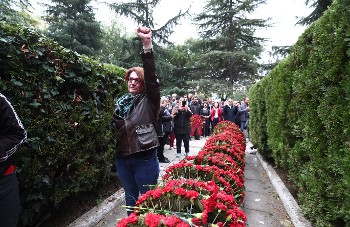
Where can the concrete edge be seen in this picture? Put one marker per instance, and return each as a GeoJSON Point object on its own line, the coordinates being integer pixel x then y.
{"type": "Point", "coordinates": [93, 216]}
{"type": "Point", "coordinates": [286, 197]}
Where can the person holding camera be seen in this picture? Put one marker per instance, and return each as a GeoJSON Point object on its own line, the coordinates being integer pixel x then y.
{"type": "Point", "coordinates": [135, 120]}
{"type": "Point", "coordinates": [182, 127]}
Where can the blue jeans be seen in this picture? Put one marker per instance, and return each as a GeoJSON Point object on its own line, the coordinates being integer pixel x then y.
{"type": "Point", "coordinates": [182, 137]}
{"type": "Point", "coordinates": [136, 173]}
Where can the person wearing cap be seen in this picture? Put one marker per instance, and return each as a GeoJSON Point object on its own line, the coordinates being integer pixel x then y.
{"type": "Point", "coordinates": [12, 135]}
{"type": "Point", "coordinates": [135, 121]}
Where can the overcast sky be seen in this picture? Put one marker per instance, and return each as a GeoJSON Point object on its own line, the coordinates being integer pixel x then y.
{"type": "Point", "coordinates": [283, 14]}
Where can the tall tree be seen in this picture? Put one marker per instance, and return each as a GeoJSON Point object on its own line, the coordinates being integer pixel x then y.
{"type": "Point", "coordinates": [141, 12]}
{"type": "Point", "coordinates": [320, 6]}
{"type": "Point", "coordinates": [229, 34]}
{"type": "Point", "coordinates": [73, 25]}
{"type": "Point", "coordinates": [182, 59]}
{"type": "Point", "coordinates": [116, 45]}
{"type": "Point", "coordinates": [280, 52]}
{"type": "Point", "coordinates": [17, 11]}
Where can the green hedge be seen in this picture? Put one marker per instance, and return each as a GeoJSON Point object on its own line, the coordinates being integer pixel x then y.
{"type": "Point", "coordinates": [65, 102]}
{"type": "Point", "coordinates": [258, 129]}
{"type": "Point", "coordinates": [307, 103]}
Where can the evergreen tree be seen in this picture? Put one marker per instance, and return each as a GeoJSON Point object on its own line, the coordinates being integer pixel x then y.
{"type": "Point", "coordinates": [228, 34]}
{"type": "Point", "coordinates": [118, 47]}
{"type": "Point", "coordinates": [141, 12]}
{"type": "Point", "coordinates": [17, 11]}
{"type": "Point", "coordinates": [319, 7]}
{"type": "Point", "coordinates": [73, 25]}
{"type": "Point", "coordinates": [280, 52]}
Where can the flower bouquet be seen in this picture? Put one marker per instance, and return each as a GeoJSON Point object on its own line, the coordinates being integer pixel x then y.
{"type": "Point", "coordinates": [194, 203]}
{"type": "Point", "coordinates": [219, 159]}
{"type": "Point", "coordinates": [152, 220]}
{"type": "Point", "coordinates": [227, 125]}
{"type": "Point", "coordinates": [196, 123]}
{"type": "Point", "coordinates": [228, 181]}
{"type": "Point", "coordinates": [235, 152]}
{"type": "Point", "coordinates": [228, 138]}
{"type": "Point", "coordinates": [196, 120]}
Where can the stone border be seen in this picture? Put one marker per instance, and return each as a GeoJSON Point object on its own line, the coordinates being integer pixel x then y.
{"type": "Point", "coordinates": [93, 216]}
{"type": "Point", "coordinates": [286, 197]}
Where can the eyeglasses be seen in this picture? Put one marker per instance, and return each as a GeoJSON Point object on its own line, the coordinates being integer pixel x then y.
{"type": "Point", "coordinates": [135, 80]}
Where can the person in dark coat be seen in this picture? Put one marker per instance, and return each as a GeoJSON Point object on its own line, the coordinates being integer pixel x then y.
{"type": "Point", "coordinates": [12, 135]}
{"type": "Point", "coordinates": [205, 114]}
{"type": "Point", "coordinates": [163, 120]}
{"type": "Point", "coordinates": [182, 128]}
{"type": "Point", "coordinates": [230, 111]}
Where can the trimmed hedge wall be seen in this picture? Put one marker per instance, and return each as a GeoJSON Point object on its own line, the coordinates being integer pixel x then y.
{"type": "Point", "coordinates": [65, 102]}
{"type": "Point", "coordinates": [305, 104]}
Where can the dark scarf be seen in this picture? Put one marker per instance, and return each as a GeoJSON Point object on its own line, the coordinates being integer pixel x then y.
{"type": "Point", "coordinates": [125, 104]}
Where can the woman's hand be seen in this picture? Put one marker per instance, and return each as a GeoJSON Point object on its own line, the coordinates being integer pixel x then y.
{"type": "Point", "coordinates": [145, 34]}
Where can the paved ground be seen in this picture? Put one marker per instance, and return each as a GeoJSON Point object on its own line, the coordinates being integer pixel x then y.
{"type": "Point", "coordinates": [267, 202]}
{"type": "Point", "coordinates": [262, 204]}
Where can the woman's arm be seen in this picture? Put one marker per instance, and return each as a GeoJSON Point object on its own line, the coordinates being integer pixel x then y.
{"type": "Point", "coordinates": [152, 87]}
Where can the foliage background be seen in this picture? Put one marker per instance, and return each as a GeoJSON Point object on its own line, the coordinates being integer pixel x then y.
{"type": "Point", "coordinates": [62, 100]}
{"type": "Point", "coordinates": [304, 103]}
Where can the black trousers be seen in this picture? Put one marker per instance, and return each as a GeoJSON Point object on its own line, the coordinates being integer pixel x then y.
{"type": "Point", "coordinates": [214, 123]}
{"type": "Point", "coordinates": [9, 201]}
{"type": "Point", "coordinates": [162, 141]}
{"type": "Point", "coordinates": [186, 139]}
{"type": "Point", "coordinates": [206, 127]}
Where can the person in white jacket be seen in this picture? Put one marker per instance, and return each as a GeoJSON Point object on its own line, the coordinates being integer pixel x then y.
{"type": "Point", "coordinates": [12, 134]}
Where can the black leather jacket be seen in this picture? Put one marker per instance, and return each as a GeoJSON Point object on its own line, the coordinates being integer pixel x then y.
{"type": "Point", "coordinates": [137, 132]}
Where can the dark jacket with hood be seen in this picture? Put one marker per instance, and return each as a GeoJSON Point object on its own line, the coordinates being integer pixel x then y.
{"type": "Point", "coordinates": [136, 133]}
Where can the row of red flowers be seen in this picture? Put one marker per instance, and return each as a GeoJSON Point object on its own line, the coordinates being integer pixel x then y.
{"type": "Point", "coordinates": [202, 190]}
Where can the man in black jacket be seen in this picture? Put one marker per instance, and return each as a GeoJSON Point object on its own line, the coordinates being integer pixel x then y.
{"type": "Point", "coordinates": [182, 128]}
{"type": "Point", "coordinates": [230, 111]}
{"type": "Point", "coordinates": [12, 134]}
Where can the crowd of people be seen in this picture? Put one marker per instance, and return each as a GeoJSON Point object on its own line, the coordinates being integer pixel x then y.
{"type": "Point", "coordinates": [192, 117]}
